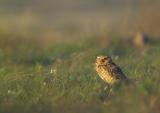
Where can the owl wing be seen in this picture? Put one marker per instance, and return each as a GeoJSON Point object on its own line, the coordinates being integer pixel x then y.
{"type": "Point", "coordinates": [115, 71]}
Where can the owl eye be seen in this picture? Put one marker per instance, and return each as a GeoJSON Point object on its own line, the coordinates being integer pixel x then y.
{"type": "Point", "coordinates": [106, 58]}
{"type": "Point", "coordinates": [103, 60]}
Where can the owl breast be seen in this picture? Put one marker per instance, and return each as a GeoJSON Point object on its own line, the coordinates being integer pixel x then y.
{"type": "Point", "coordinates": [105, 75]}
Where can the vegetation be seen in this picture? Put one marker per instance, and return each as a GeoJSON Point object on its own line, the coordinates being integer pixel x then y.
{"type": "Point", "coordinates": [60, 77]}
{"type": "Point", "coordinates": [48, 49]}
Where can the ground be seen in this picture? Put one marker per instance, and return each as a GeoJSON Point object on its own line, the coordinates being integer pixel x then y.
{"type": "Point", "coordinates": [60, 77]}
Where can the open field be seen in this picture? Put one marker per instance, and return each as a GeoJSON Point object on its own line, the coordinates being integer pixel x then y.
{"type": "Point", "coordinates": [48, 49]}
{"type": "Point", "coordinates": [27, 84]}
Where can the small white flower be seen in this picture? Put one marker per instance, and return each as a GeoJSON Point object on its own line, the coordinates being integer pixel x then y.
{"type": "Point", "coordinates": [9, 91]}
{"type": "Point", "coordinates": [53, 71]}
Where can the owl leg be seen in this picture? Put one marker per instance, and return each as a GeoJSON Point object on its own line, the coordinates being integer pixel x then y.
{"type": "Point", "coordinates": [105, 92]}
{"type": "Point", "coordinates": [108, 89]}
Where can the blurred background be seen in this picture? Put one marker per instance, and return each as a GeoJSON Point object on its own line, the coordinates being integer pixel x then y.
{"type": "Point", "coordinates": [48, 49]}
{"type": "Point", "coordinates": [79, 18]}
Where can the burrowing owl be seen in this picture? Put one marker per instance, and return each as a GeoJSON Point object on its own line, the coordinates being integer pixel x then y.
{"type": "Point", "coordinates": [108, 70]}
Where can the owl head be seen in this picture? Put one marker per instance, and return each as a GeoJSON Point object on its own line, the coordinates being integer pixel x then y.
{"type": "Point", "coordinates": [103, 60]}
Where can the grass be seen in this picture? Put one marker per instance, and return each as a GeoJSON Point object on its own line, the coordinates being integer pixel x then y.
{"type": "Point", "coordinates": [28, 86]}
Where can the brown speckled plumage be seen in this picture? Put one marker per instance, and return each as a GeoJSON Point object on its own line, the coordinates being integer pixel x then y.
{"type": "Point", "coordinates": [107, 70]}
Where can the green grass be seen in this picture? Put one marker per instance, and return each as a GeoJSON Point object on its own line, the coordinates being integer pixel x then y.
{"type": "Point", "coordinates": [28, 86]}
